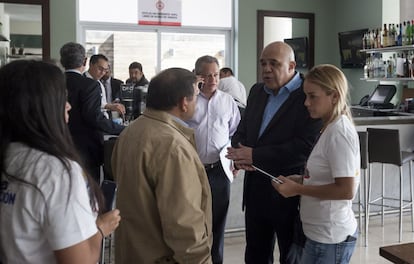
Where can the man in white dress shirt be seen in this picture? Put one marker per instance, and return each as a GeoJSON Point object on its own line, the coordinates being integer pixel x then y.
{"type": "Point", "coordinates": [229, 84]}
{"type": "Point", "coordinates": [215, 120]}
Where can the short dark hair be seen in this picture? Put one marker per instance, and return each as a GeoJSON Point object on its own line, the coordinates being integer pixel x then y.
{"type": "Point", "coordinates": [135, 65]}
{"type": "Point", "coordinates": [204, 59]}
{"type": "Point", "coordinates": [95, 58]}
{"type": "Point", "coordinates": [72, 55]}
{"type": "Point", "coordinates": [170, 86]}
{"type": "Point", "coordinates": [227, 70]}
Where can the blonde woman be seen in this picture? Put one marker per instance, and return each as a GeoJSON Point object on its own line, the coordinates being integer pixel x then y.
{"type": "Point", "coordinates": [332, 172]}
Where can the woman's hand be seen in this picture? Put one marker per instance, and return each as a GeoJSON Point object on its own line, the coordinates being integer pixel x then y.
{"type": "Point", "coordinates": [288, 188]}
{"type": "Point", "coordinates": [108, 222]}
{"type": "Point", "coordinates": [88, 251]}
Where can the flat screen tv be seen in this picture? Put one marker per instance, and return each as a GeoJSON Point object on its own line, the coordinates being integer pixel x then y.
{"type": "Point", "coordinates": [350, 44]}
{"type": "Point", "coordinates": [300, 47]}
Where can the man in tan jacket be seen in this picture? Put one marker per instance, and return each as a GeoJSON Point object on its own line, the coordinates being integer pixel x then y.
{"type": "Point", "coordinates": [163, 190]}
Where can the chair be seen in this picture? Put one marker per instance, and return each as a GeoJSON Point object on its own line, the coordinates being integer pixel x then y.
{"type": "Point", "coordinates": [107, 168]}
{"type": "Point", "coordinates": [384, 148]}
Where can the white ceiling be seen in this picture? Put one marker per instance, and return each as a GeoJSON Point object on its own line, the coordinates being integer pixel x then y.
{"type": "Point", "coordinates": [20, 12]}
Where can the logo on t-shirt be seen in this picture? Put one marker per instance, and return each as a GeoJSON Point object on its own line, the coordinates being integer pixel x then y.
{"type": "Point", "coordinates": [6, 197]}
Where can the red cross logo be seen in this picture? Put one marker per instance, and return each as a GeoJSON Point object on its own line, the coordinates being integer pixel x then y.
{"type": "Point", "coordinates": [159, 5]}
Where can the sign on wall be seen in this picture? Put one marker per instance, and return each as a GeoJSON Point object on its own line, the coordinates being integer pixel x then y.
{"type": "Point", "coordinates": [159, 12]}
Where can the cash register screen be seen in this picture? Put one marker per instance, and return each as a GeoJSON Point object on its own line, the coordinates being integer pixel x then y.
{"type": "Point", "coordinates": [382, 94]}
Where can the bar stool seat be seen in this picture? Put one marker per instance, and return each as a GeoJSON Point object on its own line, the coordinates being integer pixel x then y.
{"type": "Point", "coordinates": [384, 148]}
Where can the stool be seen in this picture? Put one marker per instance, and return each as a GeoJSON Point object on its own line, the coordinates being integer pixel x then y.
{"type": "Point", "coordinates": [384, 148]}
{"type": "Point", "coordinates": [363, 148]}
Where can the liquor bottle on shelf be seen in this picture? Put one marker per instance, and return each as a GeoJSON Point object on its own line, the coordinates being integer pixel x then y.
{"type": "Point", "coordinates": [391, 36]}
{"type": "Point", "coordinates": [400, 36]}
{"type": "Point", "coordinates": [377, 38]}
{"type": "Point", "coordinates": [412, 31]}
{"type": "Point", "coordinates": [412, 66]}
{"type": "Point", "coordinates": [406, 67]}
{"type": "Point", "coordinates": [376, 65]}
{"type": "Point", "coordinates": [384, 39]}
{"type": "Point", "coordinates": [397, 32]}
{"type": "Point", "coordinates": [408, 33]}
{"type": "Point", "coordinates": [390, 68]}
{"type": "Point", "coordinates": [404, 32]}
{"type": "Point", "coordinates": [366, 68]}
{"type": "Point", "coordinates": [364, 41]}
{"type": "Point", "coordinates": [13, 50]}
{"type": "Point", "coordinates": [21, 50]}
{"type": "Point", "coordinates": [394, 63]}
{"type": "Point", "coordinates": [373, 39]}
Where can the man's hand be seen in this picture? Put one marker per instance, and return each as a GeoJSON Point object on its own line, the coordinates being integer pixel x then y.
{"type": "Point", "coordinates": [120, 108]}
{"type": "Point", "coordinates": [241, 156]}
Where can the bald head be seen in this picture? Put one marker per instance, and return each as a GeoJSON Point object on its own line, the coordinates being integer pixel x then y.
{"type": "Point", "coordinates": [282, 48]}
{"type": "Point", "coordinates": [278, 64]}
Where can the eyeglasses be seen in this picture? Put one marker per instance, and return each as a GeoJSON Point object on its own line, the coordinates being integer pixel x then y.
{"type": "Point", "coordinates": [102, 69]}
{"type": "Point", "coordinates": [210, 75]}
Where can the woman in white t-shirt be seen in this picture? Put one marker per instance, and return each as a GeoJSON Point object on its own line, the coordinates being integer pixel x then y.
{"type": "Point", "coordinates": [332, 172]}
{"type": "Point", "coordinates": [48, 206]}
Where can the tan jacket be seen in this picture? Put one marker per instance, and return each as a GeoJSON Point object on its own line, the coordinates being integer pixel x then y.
{"type": "Point", "coordinates": [163, 194]}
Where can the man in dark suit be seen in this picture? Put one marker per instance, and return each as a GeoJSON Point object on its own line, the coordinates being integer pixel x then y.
{"type": "Point", "coordinates": [275, 134]}
{"type": "Point", "coordinates": [86, 122]}
{"type": "Point", "coordinates": [112, 86]}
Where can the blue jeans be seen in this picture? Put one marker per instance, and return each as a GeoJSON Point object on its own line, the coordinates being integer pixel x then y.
{"type": "Point", "coordinates": [320, 253]}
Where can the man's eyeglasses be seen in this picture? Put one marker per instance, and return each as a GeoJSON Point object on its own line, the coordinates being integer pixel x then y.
{"type": "Point", "coordinates": [210, 75]}
{"type": "Point", "coordinates": [102, 69]}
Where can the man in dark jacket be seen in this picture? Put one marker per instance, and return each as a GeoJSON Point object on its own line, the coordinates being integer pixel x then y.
{"type": "Point", "coordinates": [276, 134]}
{"type": "Point", "coordinates": [136, 75]}
{"type": "Point", "coordinates": [87, 123]}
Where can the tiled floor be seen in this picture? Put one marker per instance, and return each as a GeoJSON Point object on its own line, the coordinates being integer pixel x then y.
{"type": "Point", "coordinates": [377, 236]}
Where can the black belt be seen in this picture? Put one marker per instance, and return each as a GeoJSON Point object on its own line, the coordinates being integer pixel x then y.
{"type": "Point", "coordinates": [211, 166]}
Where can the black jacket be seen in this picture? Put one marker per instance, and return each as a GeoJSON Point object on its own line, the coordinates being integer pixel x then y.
{"type": "Point", "coordinates": [284, 146]}
{"type": "Point", "coordinates": [87, 123]}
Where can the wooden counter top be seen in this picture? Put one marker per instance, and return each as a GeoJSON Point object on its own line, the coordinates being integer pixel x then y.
{"type": "Point", "coordinates": [400, 254]}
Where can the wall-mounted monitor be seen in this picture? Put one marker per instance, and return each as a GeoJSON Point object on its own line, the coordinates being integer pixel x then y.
{"type": "Point", "coordinates": [300, 47]}
{"type": "Point", "coordinates": [350, 44]}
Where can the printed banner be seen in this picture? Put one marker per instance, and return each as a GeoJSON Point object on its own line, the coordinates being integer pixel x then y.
{"type": "Point", "coordinates": [159, 12]}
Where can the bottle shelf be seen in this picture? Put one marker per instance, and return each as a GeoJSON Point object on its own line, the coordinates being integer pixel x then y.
{"type": "Point", "coordinates": [389, 49]}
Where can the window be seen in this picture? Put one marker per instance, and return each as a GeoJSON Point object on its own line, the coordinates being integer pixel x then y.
{"type": "Point", "coordinates": [112, 29]}
{"type": "Point", "coordinates": [201, 13]}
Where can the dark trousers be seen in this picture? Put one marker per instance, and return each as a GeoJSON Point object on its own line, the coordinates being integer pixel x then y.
{"type": "Point", "coordinates": [220, 192]}
{"type": "Point", "coordinates": [268, 219]}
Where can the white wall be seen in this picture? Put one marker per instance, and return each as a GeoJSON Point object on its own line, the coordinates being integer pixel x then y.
{"type": "Point", "coordinates": [406, 10]}
{"type": "Point", "coordinates": [391, 11]}
{"type": "Point", "coordinates": [25, 27]}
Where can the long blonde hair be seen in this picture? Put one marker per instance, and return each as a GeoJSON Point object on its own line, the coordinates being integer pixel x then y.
{"type": "Point", "coordinates": [331, 79]}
